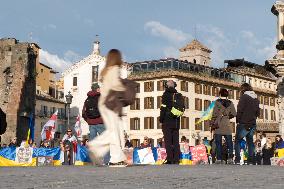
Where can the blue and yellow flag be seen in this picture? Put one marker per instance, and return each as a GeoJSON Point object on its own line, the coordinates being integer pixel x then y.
{"type": "Point", "coordinates": [207, 115]}
{"type": "Point", "coordinates": [27, 156]}
{"type": "Point", "coordinates": [82, 156]}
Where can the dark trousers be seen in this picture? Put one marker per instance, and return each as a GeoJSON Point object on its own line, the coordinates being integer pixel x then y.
{"type": "Point", "coordinates": [171, 137]}
{"type": "Point", "coordinates": [241, 133]}
{"type": "Point", "coordinates": [229, 142]}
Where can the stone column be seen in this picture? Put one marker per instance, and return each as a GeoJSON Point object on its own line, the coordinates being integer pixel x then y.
{"type": "Point", "coordinates": [278, 10]}
{"type": "Point", "coordinates": [277, 62]}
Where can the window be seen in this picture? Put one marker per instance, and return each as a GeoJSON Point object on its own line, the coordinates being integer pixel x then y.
{"type": "Point", "coordinates": [231, 94]}
{"type": "Point", "coordinates": [261, 99]}
{"type": "Point", "coordinates": [266, 114]}
{"type": "Point", "coordinates": [238, 95]}
{"type": "Point", "coordinates": [148, 123]}
{"type": "Point", "coordinates": [184, 86]}
{"type": "Point", "coordinates": [266, 100]}
{"type": "Point", "coordinates": [136, 104]}
{"type": "Point", "coordinates": [233, 126]}
{"type": "Point", "coordinates": [135, 123]}
{"type": "Point", "coordinates": [95, 74]}
{"type": "Point", "coordinates": [272, 101]}
{"type": "Point", "coordinates": [199, 125]}
{"type": "Point", "coordinates": [45, 111]}
{"type": "Point", "coordinates": [161, 85]}
{"type": "Point", "coordinates": [184, 122]}
{"type": "Point", "coordinates": [206, 104]}
{"type": "Point", "coordinates": [149, 103]}
{"type": "Point", "coordinates": [158, 123]}
{"type": "Point", "coordinates": [206, 90]}
{"type": "Point", "coordinates": [198, 88]}
{"type": "Point", "coordinates": [135, 142]}
{"type": "Point", "coordinates": [137, 88]}
{"type": "Point", "coordinates": [74, 81]}
{"type": "Point", "coordinates": [207, 125]}
{"type": "Point", "coordinates": [159, 102]}
{"type": "Point", "coordinates": [149, 86]}
{"type": "Point", "coordinates": [186, 102]}
{"type": "Point", "coordinates": [273, 115]}
{"type": "Point", "coordinates": [215, 91]}
{"type": "Point", "coordinates": [198, 104]}
{"type": "Point", "coordinates": [194, 61]}
{"type": "Point", "coordinates": [261, 114]}
{"type": "Point", "coordinates": [41, 70]}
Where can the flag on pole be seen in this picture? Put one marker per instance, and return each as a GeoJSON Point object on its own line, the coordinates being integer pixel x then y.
{"type": "Point", "coordinates": [207, 115]}
{"type": "Point", "coordinates": [48, 129]}
{"type": "Point", "coordinates": [77, 127]}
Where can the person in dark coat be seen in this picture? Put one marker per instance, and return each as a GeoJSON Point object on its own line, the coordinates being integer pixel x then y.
{"type": "Point", "coordinates": [247, 112]}
{"type": "Point", "coordinates": [3, 123]}
{"type": "Point", "coordinates": [170, 124]}
{"type": "Point", "coordinates": [91, 113]}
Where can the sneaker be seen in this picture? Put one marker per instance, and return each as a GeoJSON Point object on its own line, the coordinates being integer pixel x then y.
{"type": "Point", "coordinates": [119, 164]}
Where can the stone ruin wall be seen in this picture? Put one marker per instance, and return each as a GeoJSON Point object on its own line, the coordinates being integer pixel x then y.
{"type": "Point", "coordinates": [17, 86]}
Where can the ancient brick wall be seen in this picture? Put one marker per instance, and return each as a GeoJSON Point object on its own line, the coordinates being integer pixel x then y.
{"type": "Point", "coordinates": [17, 86]}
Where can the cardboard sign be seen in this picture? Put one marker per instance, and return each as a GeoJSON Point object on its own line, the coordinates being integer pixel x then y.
{"type": "Point", "coordinates": [198, 154]}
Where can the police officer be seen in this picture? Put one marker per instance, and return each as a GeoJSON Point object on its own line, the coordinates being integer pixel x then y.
{"type": "Point", "coordinates": [170, 122]}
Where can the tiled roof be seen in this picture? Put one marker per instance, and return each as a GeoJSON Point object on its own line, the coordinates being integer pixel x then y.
{"type": "Point", "coordinates": [195, 44]}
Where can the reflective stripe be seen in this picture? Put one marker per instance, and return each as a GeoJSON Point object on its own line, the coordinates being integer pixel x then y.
{"type": "Point", "coordinates": [176, 112]}
{"type": "Point", "coordinates": [163, 105]}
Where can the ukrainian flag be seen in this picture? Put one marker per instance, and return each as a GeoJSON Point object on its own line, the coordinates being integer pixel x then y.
{"type": "Point", "coordinates": [82, 156]}
{"type": "Point", "coordinates": [8, 156]}
{"type": "Point", "coordinates": [207, 115]}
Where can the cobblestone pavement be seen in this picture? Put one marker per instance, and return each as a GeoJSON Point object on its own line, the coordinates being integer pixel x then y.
{"type": "Point", "coordinates": [147, 177]}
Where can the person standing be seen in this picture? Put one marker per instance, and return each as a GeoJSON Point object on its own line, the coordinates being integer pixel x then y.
{"type": "Point", "coordinates": [223, 111]}
{"type": "Point", "coordinates": [170, 121]}
{"type": "Point", "coordinates": [267, 152]}
{"type": "Point", "coordinates": [91, 113]}
{"type": "Point", "coordinates": [247, 112]}
{"type": "Point", "coordinates": [112, 139]}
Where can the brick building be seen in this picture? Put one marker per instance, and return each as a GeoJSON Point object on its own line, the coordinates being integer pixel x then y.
{"type": "Point", "coordinates": [17, 85]}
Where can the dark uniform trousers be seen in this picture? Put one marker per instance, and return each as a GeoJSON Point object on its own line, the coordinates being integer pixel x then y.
{"type": "Point", "coordinates": [171, 137]}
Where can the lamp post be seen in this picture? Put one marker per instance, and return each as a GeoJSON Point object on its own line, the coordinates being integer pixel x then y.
{"type": "Point", "coordinates": [68, 101]}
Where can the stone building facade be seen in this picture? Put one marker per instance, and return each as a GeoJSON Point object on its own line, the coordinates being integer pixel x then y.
{"type": "Point", "coordinates": [200, 86]}
{"type": "Point", "coordinates": [17, 85]}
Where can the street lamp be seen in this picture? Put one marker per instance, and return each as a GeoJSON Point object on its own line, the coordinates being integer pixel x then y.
{"type": "Point", "coordinates": [68, 101]}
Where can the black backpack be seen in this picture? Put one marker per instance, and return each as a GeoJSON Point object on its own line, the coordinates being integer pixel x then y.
{"type": "Point", "coordinates": [178, 105]}
{"type": "Point", "coordinates": [92, 110]}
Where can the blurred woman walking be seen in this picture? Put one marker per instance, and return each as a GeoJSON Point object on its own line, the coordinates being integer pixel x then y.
{"type": "Point", "coordinates": [112, 139]}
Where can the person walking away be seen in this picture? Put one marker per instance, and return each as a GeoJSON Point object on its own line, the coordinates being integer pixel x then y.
{"type": "Point", "coordinates": [247, 113]}
{"type": "Point", "coordinates": [223, 111]}
{"type": "Point", "coordinates": [112, 139]}
{"type": "Point", "coordinates": [91, 113]}
{"type": "Point", "coordinates": [267, 152]}
{"type": "Point", "coordinates": [171, 109]}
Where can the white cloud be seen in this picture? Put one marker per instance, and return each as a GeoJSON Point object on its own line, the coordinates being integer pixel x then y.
{"type": "Point", "coordinates": [53, 61]}
{"type": "Point", "coordinates": [172, 35]}
{"type": "Point", "coordinates": [71, 56]}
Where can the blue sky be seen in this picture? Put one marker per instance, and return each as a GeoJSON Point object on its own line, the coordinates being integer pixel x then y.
{"type": "Point", "coordinates": [142, 30]}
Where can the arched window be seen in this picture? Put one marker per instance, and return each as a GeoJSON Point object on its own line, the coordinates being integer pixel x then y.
{"type": "Point", "coordinates": [194, 61]}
